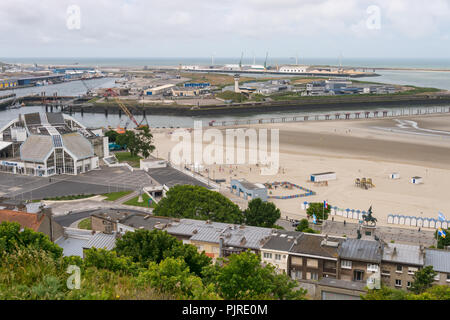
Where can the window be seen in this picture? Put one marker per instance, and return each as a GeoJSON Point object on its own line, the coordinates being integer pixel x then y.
{"type": "Point", "coordinates": [312, 276]}
{"type": "Point", "coordinates": [345, 264]}
{"type": "Point", "coordinates": [399, 269]}
{"type": "Point", "coordinates": [438, 277]}
{"type": "Point", "coordinates": [297, 275]}
{"type": "Point", "coordinates": [372, 267]}
{"type": "Point", "coordinates": [412, 270]}
{"type": "Point", "coordinates": [408, 284]}
{"type": "Point", "coordinates": [385, 273]}
{"type": "Point", "coordinates": [358, 275]}
{"type": "Point", "coordinates": [267, 255]}
{"type": "Point", "coordinates": [398, 282]}
{"type": "Point", "coordinates": [448, 277]}
{"type": "Point", "coordinates": [312, 263]}
{"type": "Point", "coordinates": [277, 256]}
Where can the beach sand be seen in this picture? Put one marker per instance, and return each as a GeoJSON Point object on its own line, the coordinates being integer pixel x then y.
{"type": "Point", "coordinates": [375, 148]}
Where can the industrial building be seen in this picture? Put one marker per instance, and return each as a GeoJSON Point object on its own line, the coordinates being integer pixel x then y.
{"type": "Point", "coordinates": [158, 90]}
{"type": "Point", "coordinates": [294, 69]}
{"type": "Point", "coordinates": [47, 144]}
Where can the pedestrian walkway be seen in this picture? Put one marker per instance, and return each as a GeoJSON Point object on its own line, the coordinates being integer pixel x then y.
{"type": "Point", "coordinates": [126, 198]}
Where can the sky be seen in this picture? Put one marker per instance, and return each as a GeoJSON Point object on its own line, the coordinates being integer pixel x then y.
{"type": "Point", "coordinates": [225, 28]}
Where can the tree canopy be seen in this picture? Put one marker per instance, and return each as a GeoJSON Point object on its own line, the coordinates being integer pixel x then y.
{"type": "Point", "coordinates": [319, 210]}
{"type": "Point", "coordinates": [195, 202]}
{"type": "Point", "coordinates": [244, 278]}
{"type": "Point", "coordinates": [145, 246]}
{"type": "Point", "coordinates": [261, 214]}
{"type": "Point", "coordinates": [136, 143]}
{"type": "Point", "coordinates": [423, 280]}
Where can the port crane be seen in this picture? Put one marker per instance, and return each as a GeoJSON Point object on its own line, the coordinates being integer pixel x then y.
{"type": "Point", "coordinates": [111, 92]}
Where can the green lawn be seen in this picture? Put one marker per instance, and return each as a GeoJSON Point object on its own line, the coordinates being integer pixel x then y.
{"type": "Point", "coordinates": [134, 202]}
{"type": "Point", "coordinates": [85, 224]}
{"type": "Point", "coordinates": [68, 198]}
{"type": "Point", "coordinates": [133, 161]}
{"type": "Point", "coordinates": [116, 195]}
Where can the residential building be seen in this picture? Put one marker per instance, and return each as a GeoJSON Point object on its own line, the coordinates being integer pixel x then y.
{"type": "Point", "coordinates": [359, 259]}
{"type": "Point", "coordinates": [440, 260]}
{"type": "Point", "coordinates": [41, 221]}
{"type": "Point", "coordinates": [313, 257]}
{"type": "Point", "coordinates": [276, 249]}
{"type": "Point", "coordinates": [219, 239]}
{"type": "Point", "coordinates": [399, 264]}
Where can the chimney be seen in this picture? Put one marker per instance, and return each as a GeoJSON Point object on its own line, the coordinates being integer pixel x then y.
{"type": "Point", "coordinates": [221, 240]}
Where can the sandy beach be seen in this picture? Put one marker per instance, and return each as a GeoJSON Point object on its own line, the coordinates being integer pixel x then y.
{"type": "Point", "coordinates": [375, 148]}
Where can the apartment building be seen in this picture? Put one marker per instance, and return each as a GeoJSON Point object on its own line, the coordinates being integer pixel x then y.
{"type": "Point", "coordinates": [314, 257]}
{"type": "Point", "coordinates": [359, 259]}
{"type": "Point", "coordinates": [399, 264]}
{"type": "Point", "coordinates": [276, 250]}
{"type": "Point", "coordinates": [440, 260]}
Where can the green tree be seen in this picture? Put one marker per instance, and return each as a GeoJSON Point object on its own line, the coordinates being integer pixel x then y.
{"type": "Point", "coordinates": [194, 202]}
{"type": "Point", "coordinates": [244, 278]}
{"type": "Point", "coordinates": [303, 225]}
{"type": "Point", "coordinates": [144, 140]}
{"type": "Point", "coordinates": [173, 276]}
{"type": "Point", "coordinates": [443, 242]}
{"type": "Point", "coordinates": [261, 214]}
{"type": "Point", "coordinates": [433, 293]}
{"type": "Point", "coordinates": [423, 280]}
{"type": "Point", "coordinates": [112, 135]}
{"type": "Point", "coordinates": [12, 239]}
{"type": "Point", "coordinates": [319, 210]}
{"type": "Point", "coordinates": [129, 140]}
{"type": "Point", "coordinates": [385, 293]}
{"type": "Point", "coordinates": [145, 246]}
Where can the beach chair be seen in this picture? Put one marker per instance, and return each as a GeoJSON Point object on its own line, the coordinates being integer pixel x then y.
{"type": "Point", "coordinates": [358, 182]}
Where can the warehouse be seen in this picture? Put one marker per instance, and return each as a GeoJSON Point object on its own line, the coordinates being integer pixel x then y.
{"type": "Point", "coordinates": [158, 90]}
{"type": "Point", "coordinates": [46, 144]}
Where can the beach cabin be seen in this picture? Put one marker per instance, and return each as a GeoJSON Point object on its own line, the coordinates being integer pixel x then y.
{"type": "Point", "coordinates": [394, 176]}
{"type": "Point", "coordinates": [390, 219]}
{"type": "Point", "coordinates": [417, 180]}
{"type": "Point", "coordinates": [323, 177]}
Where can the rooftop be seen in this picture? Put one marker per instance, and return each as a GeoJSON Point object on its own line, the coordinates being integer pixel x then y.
{"type": "Point", "coordinates": [439, 259]}
{"type": "Point", "coordinates": [402, 253]}
{"type": "Point", "coordinates": [361, 250]}
{"type": "Point", "coordinates": [318, 245]}
{"type": "Point", "coordinates": [171, 177]}
{"type": "Point", "coordinates": [26, 220]}
{"type": "Point", "coordinates": [282, 241]}
{"type": "Point", "coordinates": [249, 185]}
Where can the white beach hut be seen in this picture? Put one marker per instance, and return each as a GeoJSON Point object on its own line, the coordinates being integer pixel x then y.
{"type": "Point", "coordinates": [394, 176]}
{"type": "Point", "coordinates": [417, 180]}
{"type": "Point", "coordinates": [390, 219]}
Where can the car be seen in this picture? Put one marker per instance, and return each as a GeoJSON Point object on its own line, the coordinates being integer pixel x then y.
{"type": "Point", "coordinates": [296, 223]}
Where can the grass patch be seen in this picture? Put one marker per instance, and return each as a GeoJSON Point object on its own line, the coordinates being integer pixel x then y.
{"type": "Point", "coordinates": [230, 95]}
{"type": "Point", "coordinates": [113, 196]}
{"type": "Point", "coordinates": [134, 161]}
{"type": "Point", "coordinates": [86, 224]}
{"type": "Point", "coordinates": [134, 202]}
{"type": "Point", "coordinates": [68, 198]}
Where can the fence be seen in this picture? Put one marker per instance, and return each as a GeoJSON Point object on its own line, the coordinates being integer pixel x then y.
{"type": "Point", "coordinates": [343, 115]}
{"type": "Point", "coordinates": [308, 193]}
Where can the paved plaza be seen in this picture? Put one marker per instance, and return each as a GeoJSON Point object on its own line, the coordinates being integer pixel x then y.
{"type": "Point", "coordinates": [101, 181]}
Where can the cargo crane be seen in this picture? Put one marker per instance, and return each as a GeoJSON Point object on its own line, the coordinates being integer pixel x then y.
{"type": "Point", "coordinates": [110, 92]}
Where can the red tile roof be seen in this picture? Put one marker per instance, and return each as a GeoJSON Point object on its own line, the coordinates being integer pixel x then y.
{"type": "Point", "coordinates": [26, 220]}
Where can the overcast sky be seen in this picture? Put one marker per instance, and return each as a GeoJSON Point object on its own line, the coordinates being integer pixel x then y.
{"type": "Point", "coordinates": [199, 28]}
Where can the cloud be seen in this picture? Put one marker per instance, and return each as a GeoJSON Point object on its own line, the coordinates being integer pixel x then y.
{"type": "Point", "coordinates": [229, 25]}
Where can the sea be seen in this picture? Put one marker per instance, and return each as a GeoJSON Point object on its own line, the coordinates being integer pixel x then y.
{"type": "Point", "coordinates": [428, 78]}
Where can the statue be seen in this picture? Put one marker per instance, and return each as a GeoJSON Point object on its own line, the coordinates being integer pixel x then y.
{"type": "Point", "coordinates": [369, 218]}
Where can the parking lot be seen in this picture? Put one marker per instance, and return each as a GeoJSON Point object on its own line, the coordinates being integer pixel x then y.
{"type": "Point", "coordinates": [101, 181]}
